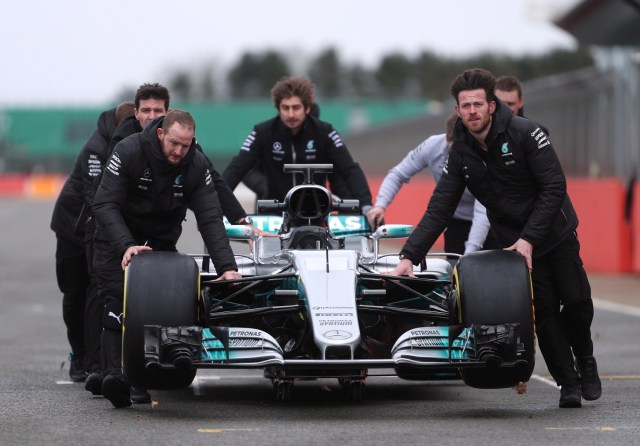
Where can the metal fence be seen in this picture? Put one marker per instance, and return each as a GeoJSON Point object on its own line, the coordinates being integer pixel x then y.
{"type": "Point", "coordinates": [593, 117]}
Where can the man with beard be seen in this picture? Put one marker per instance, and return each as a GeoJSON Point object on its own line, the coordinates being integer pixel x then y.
{"type": "Point", "coordinates": [508, 163]}
{"type": "Point", "coordinates": [296, 136]}
{"type": "Point", "coordinates": [138, 187]}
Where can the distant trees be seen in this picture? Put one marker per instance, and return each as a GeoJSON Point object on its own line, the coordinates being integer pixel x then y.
{"type": "Point", "coordinates": [254, 74]}
{"type": "Point", "coordinates": [396, 76]}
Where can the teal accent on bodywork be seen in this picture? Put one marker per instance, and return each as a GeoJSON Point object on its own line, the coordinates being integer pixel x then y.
{"type": "Point", "coordinates": [236, 231]}
{"type": "Point", "coordinates": [397, 231]}
{"type": "Point", "coordinates": [212, 348]}
{"type": "Point", "coordinates": [340, 225]}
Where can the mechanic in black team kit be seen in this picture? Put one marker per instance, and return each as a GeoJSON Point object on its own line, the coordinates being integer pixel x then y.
{"type": "Point", "coordinates": [68, 221]}
{"type": "Point", "coordinates": [295, 136]}
{"type": "Point", "coordinates": [137, 209]}
{"type": "Point", "coordinates": [152, 101]}
{"type": "Point", "coordinates": [510, 166]}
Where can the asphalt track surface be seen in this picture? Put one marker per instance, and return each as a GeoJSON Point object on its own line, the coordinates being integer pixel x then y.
{"type": "Point", "coordinates": [39, 406]}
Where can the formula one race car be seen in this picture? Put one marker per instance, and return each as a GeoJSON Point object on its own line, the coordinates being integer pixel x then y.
{"type": "Point", "coordinates": [315, 302]}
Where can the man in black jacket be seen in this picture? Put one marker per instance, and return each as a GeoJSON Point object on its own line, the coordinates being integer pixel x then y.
{"type": "Point", "coordinates": [151, 101]}
{"type": "Point", "coordinates": [510, 166]}
{"type": "Point", "coordinates": [295, 136]}
{"type": "Point", "coordinates": [73, 268]}
{"type": "Point", "coordinates": [150, 180]}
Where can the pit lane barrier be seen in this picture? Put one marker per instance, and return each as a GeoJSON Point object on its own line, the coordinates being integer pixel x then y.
{"type": "Point", "coordinates": [609, 213]}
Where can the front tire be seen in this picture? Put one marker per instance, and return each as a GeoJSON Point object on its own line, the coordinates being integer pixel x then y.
{"type": "Point", "coordinates": [161, 288]}
{"type": "Point", "coordinates": [494, 287]}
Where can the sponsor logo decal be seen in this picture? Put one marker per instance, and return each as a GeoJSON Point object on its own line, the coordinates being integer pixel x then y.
{"type": "Point", "coordinates": [426, 332]}
{"type": "Point", "coordinates": [95, 166]}
{"type": "Point", "coordinates": [114, 164]}
{"type": "Point", "coordinates": [277, 147]}
{"type": "Point", "coordinates": [541, 139]}
{"type": "Point", "coordinates": [335, 137]}
{"type": "Point", "coordinates": [246, 145]}
{"type": "Point", "coordinates": [116, 317]}
{"type": "Point", "coordinates": [337, 334]}
{"type": "Point", "coordinates": [245, 333]}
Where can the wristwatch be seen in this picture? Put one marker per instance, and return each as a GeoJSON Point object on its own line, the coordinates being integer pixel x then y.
{"type": "Point", "coordinates": [245, 221]}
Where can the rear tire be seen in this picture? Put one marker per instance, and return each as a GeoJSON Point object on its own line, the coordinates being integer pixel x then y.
{"type": "Point", "coordinates": [494, 287]}
{"type": "Point", "coordinates": [161, 288]}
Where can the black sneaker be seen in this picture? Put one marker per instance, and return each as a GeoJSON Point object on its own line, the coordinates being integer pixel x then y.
{"type": "Point", "coordinates": [93, 383]}
{"type": "Point", "coordinates": [116, 390]}
{"type": "Point", "coordinates": [139, 395]}
{"type": "Point", "coordinates": [570, 396]}
{"type": "Point", "coordinates": [590, 386]}
{"type": "Point", "coordinates": [77, 373]}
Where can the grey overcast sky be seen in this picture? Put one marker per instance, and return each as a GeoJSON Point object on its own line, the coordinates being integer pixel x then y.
{"type": "Point", "coordinates": [84, 52]}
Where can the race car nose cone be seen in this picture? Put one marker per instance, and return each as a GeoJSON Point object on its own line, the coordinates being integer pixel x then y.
{"type": "Point", "coordinates": [337, 334]}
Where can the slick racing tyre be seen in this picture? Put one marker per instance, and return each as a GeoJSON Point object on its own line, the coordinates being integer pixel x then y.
{"type": "Point", "coordinates": [494, 287]}
{"type": "Point", "coordinates": [161, 288]}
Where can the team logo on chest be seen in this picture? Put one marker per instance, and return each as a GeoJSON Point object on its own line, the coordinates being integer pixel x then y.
{"type": "Point", "coordinates": [278, 151]}
{"type": "Point", "coordinates": [507, 152]}
{"type": "Point", "coordinates": [310, 150]}
{"type": "Point", "coordinates": [145, 179]}
{"type": "Point", "coordinates": [177, 186]}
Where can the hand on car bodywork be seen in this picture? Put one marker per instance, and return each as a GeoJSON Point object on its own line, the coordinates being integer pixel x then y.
{"type": "Point", "coordinates": [525, 249]}
{"type": "Point", "coordinates": [230, 275]}
{"type": "Point", "coordinates": [404, 268]}
{"type": "Point", "coordinates": [133, 251]}
{"type": "Point", "coordinates": [259, 232]}
{"type": "Point", "coordinates": [375, 216]}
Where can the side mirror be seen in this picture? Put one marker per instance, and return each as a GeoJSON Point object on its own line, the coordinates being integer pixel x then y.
{"type": "Point", "coordinates": [241, 232]}
{"type": "Point", "coordinates": [387, 231]}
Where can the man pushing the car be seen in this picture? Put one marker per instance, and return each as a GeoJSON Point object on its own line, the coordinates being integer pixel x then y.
{"type": "Point", "coordinates": [510, 166]}
{"type": "Point", "coordinates": [150, 180]}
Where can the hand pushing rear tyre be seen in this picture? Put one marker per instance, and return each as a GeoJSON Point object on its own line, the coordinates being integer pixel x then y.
{"type": "Point", "coordinates": [161, 288]}
{"type": "Point", "coordinates": [494, 287]}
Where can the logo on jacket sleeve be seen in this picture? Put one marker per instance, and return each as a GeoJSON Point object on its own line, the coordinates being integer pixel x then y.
{"type": "Point", "coordinates": [335, 137]}
{"type": "Point", "coordinates": [114, 164]}
{"type": "Point", "coordinates": [246, 145]}
{"type": "Point", "coordinates": [94, 165]}
{"type": "Point", "coordinates": [541, 139]}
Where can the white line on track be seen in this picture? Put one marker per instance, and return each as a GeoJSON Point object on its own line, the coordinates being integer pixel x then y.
{"type": "Point", "coordinates": [544, 380]}
{"type": "Point", "coordinates": [616, 307]}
